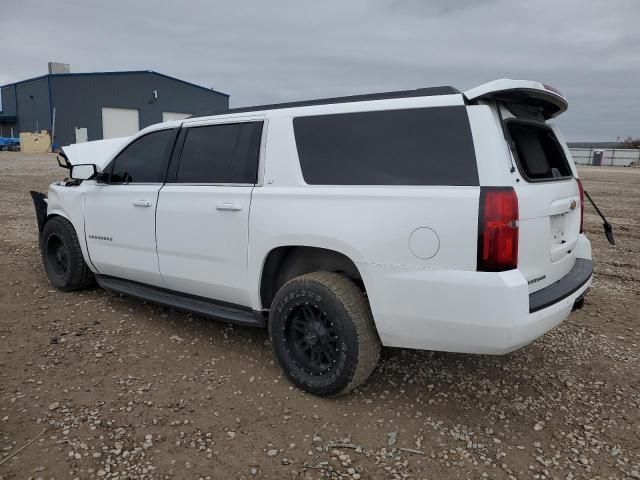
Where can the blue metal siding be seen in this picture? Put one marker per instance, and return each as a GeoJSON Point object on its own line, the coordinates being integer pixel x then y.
{"type": "Point", "coordinates": [78, 99]}
{"type": "Point", "coordinates": [32, 104]}
{"type": "Point", "coordinates": [8, 115]}
{"type": "Point", "coordinates": [8, 101]}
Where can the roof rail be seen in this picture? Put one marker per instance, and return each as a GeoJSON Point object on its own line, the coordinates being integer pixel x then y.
{"type": "Point", "coordinates": [418, 92]}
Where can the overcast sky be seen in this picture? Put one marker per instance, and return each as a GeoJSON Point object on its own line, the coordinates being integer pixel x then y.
{"type": "Point", "coordinates": [271, 51]}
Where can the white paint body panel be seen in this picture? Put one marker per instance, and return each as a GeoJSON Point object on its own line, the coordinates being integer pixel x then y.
{"type": "Point", "coordinates": [113, 212]}
{"type": "Point", "coordinates": [119, 122]}
{"type": "Point", "coordinates": [415, 247]}
{"type": "Point", "coordinates": [456, 311]}
{"type": "Point", "coordinates": [203, 239]}
{"type": "Point", "coordinates": [69, 203]}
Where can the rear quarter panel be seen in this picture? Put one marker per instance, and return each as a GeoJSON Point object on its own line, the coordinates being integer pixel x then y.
{"type": "Point", "coordinates": [369, 224]}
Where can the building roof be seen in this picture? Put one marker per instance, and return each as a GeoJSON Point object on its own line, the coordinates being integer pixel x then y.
{"type": "Point", "coordinates": [49, 75]}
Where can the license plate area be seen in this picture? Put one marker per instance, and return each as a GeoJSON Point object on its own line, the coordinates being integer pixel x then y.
{"type": "Point", "coordinates": [557, 230]}
{"type": "Point", "coordinates": [560, 244]}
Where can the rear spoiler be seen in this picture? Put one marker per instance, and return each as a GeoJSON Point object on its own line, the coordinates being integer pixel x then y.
{"type": "Point", "coordinates": [537, 97]}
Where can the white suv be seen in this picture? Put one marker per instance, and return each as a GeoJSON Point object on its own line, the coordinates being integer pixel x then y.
{"type": "Point", "coordinates": [429, 219]}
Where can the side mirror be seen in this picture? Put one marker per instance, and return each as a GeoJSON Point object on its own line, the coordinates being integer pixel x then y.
{"type": "Point", "coordinates": [84, 171]}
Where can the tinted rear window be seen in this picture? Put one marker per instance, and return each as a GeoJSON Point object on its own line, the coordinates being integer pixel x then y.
{"type": "Point", "coordinates": [539, 154]}
{"type": "Point", "coordinates": [207, 154]}
{"type": "Point", "coordinates": [423, 146]}
{"type": "Point", "coordinates": [245, 165]}
{"type": "Point", "coordinates": [226, 153]}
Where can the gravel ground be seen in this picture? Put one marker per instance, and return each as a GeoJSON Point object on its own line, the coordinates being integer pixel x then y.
{"type": "Point", "coordinates": [93, 385]}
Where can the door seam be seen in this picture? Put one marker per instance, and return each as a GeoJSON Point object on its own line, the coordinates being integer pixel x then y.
{"type": "Point", "coordinates": [155, 230]}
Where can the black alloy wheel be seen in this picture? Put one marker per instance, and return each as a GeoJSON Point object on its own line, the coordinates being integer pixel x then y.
{"type": "Point", "coordinates": [322, 333]}
{"type": "Point", "coordinates": [62, 256]}
{"type": "Point", "coordinates": [57, 256]}
{"type": "Point", "coordinates": [311, 339]}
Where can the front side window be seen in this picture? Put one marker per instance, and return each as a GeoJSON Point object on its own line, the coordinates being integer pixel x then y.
{"type": "Point", "coordinates": [225, 153]}
{"type": "Point", "coordinates": [145, 160]}
{"type": "Point", "coordinates": [539, 153]}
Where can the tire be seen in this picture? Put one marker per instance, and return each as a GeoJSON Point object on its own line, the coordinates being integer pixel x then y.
{"type": "Point", "coordinates": [322, 333]}
{"type": "Point", "coordinates": [62, 257]}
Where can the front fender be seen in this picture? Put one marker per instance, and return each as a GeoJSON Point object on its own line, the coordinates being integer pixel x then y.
{"type": "Point", "coordinates": [68, 202]}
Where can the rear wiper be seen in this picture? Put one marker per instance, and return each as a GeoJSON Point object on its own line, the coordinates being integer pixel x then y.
{"type": "Point", "coordinates": [608, 229]}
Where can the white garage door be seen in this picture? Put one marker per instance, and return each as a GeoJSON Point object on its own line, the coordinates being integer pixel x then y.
{"type": "Point", "coordinates": [168, 116]}
{"type": "Point", "coordinates": [119, 122]}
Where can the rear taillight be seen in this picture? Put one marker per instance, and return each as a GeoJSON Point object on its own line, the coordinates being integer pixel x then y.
{"type": "Point", "coordinates": [497, 229]}
{"type": "Point", "coordinates": [581, 204]}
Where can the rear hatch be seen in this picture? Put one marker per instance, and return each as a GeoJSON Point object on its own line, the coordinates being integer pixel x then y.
{"type": "Point", "coordinates": [545, 177]}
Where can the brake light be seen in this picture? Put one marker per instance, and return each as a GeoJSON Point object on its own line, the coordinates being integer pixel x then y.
{"type": "Point", "coordinates": [497, 229]}
{"type": "Point", "coordinates": [581, 205]}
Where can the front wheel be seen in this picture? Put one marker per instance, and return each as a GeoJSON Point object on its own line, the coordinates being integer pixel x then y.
{"type": "Point", "coordinates": [62, 256]}
{"type": "Point", "coordinates": [322, 333]}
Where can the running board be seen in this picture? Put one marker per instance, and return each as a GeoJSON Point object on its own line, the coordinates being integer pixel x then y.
{"type": "Point", "coordinates": [198, 305]}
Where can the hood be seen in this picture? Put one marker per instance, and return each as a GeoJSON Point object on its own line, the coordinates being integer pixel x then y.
{"type": "Point", "coordinates": [98, 152]}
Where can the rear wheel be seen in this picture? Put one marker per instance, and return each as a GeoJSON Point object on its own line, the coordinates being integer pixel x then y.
{"type": "Point", "coordinates": [322, 333]}
{"type": "Point", "coordinates": [62, 256]}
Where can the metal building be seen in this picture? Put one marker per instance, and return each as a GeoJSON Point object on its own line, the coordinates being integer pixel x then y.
{"type": "Point", "coordinates": [77, 107]}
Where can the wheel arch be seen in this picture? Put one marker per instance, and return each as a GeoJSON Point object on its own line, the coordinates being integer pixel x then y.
{"type": "Point", "coordinates": [80, 232]}
{"type": "Point", "coordinates": [61, 214]}
{"type": "Point", "coordinates": [285, 262]}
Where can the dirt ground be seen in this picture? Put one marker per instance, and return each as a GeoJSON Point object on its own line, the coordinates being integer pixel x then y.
{"type": "Point", "coordinates": [94, 385]}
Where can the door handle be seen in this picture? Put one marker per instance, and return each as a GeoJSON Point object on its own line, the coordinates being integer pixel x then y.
{"type": "Point", "coordinates": [141, 203]}
{"type": "Point", "coordinates": [234, 207]}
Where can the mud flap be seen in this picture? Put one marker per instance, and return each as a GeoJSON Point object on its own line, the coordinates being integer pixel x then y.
{"type": "Point", "coordinates": [40, 204]}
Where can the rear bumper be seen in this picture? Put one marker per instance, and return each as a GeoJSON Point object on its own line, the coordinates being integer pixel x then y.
{"type": "Point", "coordinates": [458, 311]}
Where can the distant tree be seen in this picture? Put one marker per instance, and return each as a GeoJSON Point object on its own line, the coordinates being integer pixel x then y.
{"type": "Point", "coordinates": [630, 142]}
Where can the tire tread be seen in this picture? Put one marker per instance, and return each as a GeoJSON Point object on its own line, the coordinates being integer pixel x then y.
{"type": "Point", "coordinates": [81, 277]}
{"type": "Point", "coordinates": [356, 305]}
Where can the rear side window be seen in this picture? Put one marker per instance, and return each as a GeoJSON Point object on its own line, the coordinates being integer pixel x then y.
{"type": "Point", "coordinates": [145, 160]}
{"type": "Point", "coordinates": [226, 153]}
{"type": "Point", "coordinates": [539, 154]}
{"type": "Point", "coordinates": [422, 146]}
